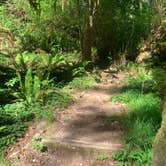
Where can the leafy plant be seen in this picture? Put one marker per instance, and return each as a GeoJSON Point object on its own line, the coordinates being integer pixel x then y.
{"type": "Point", "coordinates": [81, 70]}
{"type": "Point", "coordinates": [133, 157]}
{"type": "Point", "coordinates": [84, 82]}
{"type": "Point", "coordinates": [19, 111]}
{"type": "Point", "coordinates": [11, 129]}
{"type": "Point", "coordinates": [32, 87]}
{"type": "Point", "coordinates": [12, 124]}
{"type": "Point", "coordinates": [102, 157]}
{"type": "Point", "coordinates": [126, 96]}
{"type": "Point", "coordinates": [141, 122]}
{"type": "Point", "coordinates": [12, 82]}
{"type": "Point", "coordinates": [57, 98]}
{"type": "Point", "coordinates": [42, 111]}
{"type": "Point", "coordinates": [39, 146]}
{"type": "Point", "coordinates": [36, 138]}
{"type": "Point", "coordinates": [142, 80]}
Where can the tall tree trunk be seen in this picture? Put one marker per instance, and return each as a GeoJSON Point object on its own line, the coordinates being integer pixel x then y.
{"type": "Point", "coordinates": [159, 146]}
{"type": "Point", "coordinates": [86, 36]}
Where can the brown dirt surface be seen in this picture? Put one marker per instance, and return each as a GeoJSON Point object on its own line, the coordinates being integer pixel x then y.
{"type": "Point", "coordinates": [83, 132]}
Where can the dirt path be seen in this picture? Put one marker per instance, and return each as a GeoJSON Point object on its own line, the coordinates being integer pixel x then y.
{"type": "Point", "coordinates": [85, 130]}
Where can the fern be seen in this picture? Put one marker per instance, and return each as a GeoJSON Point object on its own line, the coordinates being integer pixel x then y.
{"type": "Point", "coordinates": [28, 85]}
{"type": "Point", "coordinates": [36, 87]}
{"type": "Point", "coordinates": [32, 87]}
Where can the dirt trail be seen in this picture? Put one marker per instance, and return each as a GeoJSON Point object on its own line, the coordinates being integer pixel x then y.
{"type": "Point", "coordinates": [82, 131]}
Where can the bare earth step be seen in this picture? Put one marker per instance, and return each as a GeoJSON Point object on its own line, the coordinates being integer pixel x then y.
{"type": "Point", "coordinates": [85, 123]}
{"type": "Point", "coordinates": [85, 144]}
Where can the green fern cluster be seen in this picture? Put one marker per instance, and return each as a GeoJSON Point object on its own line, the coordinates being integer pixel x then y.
{"type": "Point", "coordinates": [32, 87]}
{"type": "Point", "coordinates": [142, 80]}
{"type": "Point", "coordinates": [11, 127]}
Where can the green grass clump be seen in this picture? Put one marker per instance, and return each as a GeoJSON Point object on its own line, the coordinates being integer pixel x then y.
{"type": "Point", "coordinates": [102, 157]}
{"type": "Point", "coordinates": [141, 122]}
{"type": "Point", "coordinates": [146, 108]}
{"type": "Point", "coordinates": [141, 135]}
{"type": "Point", "coordinates": [37, 144]}
{"type": "Point", "coordinates": [84, 82]}
{"type": "Point", "coordinates": [136, 157]}
{"type": "Point", "coordinates": [58, 98]}
{"type": "Point", "coordinates": [142, 106]}
{"type": "Point", "coordinates": [126, 96]}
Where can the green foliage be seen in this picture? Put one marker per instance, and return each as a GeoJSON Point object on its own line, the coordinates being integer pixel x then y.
{"type": "Point", "coordinates": [32, 87]}
{"type": "Point", "coordinates": [37, 144]}
{"type": "Point", "coordinates": [51, 99]}
{"type": "Point", "coordinates": [57, 67]}
{"type": "Point", "coordinates": [36, 85]}
{"type": "Point", "coordinates": [146, 107]}
{"type": "Point", "coordinates": [126, 96]}
{"type": "Point", "coordinates": [11, 126]}
{"type": "Point", "coordinates": [28, 87]}
{"type": "Point", "coordinates": [14, 115]}
{"type": "Point", "coordinates": [43, 112]}
{"type": "Point", "coordinates": [6, 74]}
{"type": "Point", "coordinates": [52, 31]}
{"type": "Point", "coordinates": [36, 138]}
{"type": "Point", "coordinates": [142, 134]}
{"type": "Point", "coordinates": [12, 82]}
{"type": "Point", "coordinates": [120, 27]}
{"type": "Point", "coordinates": [135, 157]}
{"type": "Point", "coordinates": [41, 63]}
{"type": "Point", "coordinates": [81, 70]}
{"type": "Point", "coordinates": [19, 111]}
{"type": "Point", "coordinates": [84, 82]}
{"type": "Point", "coordinates": [102, 157]}
{"type": "Point", "coordinates": [142, 80]}
{"type": "Point", "coordinates": [58, 98]}
{"type": "Point", "coordinates": [141, 122]}
{"type": "Point", "coordinates": [159, 75]}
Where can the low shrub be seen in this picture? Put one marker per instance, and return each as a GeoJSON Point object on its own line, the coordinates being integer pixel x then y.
{"type": "Point", "coordinates": [11, 125]}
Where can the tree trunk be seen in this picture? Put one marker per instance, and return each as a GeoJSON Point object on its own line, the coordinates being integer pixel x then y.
{"type": "Point", "coordinates": [86, 36]}
{"type": "Point", "coordinates": [159, 146]}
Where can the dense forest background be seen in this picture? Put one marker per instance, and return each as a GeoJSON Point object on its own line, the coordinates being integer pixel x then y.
{"type": "Point", "coordinates": [46, 45]}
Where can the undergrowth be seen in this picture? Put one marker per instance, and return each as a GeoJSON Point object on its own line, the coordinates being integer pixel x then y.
{"type": "Point", "coordinates": [11, 124]}
{"type": "Point", "coordinates": [15, 117]}
{"type": "Point", "coordinates": [142, 120]}
{"type": "Point", "coordinates": [84, 82]}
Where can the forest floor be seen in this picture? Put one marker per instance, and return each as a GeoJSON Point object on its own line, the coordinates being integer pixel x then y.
{"type": "Point", "coordinates": [81, 134]}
